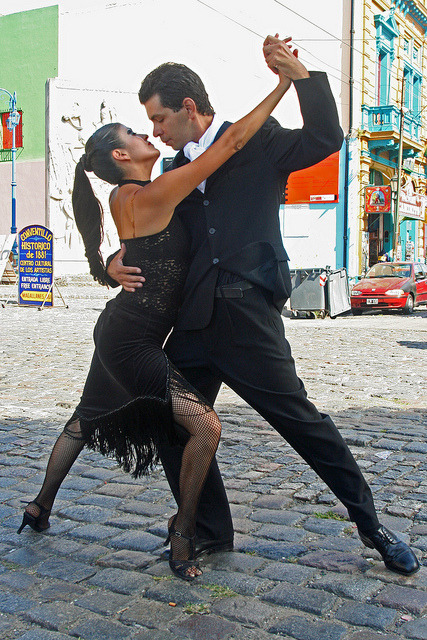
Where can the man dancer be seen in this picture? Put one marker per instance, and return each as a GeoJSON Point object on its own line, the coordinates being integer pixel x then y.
{"type": "Point", "coordinates": [229, 328]}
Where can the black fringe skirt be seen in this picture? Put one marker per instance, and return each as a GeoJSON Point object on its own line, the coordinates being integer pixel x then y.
{"type": "Point", "coordinates": [126, 407]}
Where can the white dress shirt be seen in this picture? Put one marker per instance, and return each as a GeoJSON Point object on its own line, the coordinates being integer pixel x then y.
{"type": "Point", "coordinates": [193, 150]}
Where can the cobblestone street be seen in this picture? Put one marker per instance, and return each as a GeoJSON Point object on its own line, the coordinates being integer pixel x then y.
{"type": "Point", "coordinates": [299, 570]}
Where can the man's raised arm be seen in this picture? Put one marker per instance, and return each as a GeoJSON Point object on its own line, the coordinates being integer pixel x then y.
{"type": "Point", "coordinates": [321, 135]}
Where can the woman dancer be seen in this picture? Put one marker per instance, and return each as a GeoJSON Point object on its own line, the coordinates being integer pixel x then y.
{"type": "Point", "coordinates": [133, 394]}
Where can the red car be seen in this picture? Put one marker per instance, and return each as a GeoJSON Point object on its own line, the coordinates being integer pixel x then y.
{"type": "Point", "coordinates": [391, 285]}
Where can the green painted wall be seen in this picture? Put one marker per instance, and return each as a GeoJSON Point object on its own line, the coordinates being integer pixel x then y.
{"type": "Point", "coordinates": [28, 56]}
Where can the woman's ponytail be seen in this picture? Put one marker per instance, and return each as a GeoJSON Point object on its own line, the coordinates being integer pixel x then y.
{"type": "Point", "coordinates": [88, 211]}
{"type": "Point", "coordinates": [89, 217]}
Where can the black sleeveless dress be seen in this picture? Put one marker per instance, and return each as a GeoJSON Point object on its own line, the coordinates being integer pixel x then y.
{"type": "Point", "coordinates": [126, 406]}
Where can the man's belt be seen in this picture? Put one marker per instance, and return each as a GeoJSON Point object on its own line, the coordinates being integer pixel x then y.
{"type": "Point", "coordinates": [233, 290]}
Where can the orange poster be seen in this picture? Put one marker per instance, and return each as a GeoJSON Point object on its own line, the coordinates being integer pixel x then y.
{"type": "Point", "coordinates": [318, 183]}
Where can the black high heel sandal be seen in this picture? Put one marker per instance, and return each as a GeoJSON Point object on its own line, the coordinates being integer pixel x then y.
{"type": "Point", "coordinates": [35, 521]}
{"type": "Point", "coordinates": [181, 567]}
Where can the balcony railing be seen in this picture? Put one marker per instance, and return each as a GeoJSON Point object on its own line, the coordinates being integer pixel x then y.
{"type": "Point", "coordinates": [387, 118]}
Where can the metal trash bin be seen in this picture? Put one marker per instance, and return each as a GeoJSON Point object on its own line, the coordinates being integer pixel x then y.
{"type": "Point", "coordinates": [338, 292]}
{"type": "Point", "coordinates": [319, 291]}
{"type": "Point", "coordinates": [307, 294]}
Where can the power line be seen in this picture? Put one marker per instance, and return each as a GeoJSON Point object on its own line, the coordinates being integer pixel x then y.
{"type": "Point", "coordinates": [344, 41]}
{"type": "Point", "coordinates": [231, 19]}
{"type": "Point", "coordinates": [363, 88]}
{"type": "Point", "coordinates": [315, 25]}
{"type": "Point", "coordinates": [333, 38]}
{"type": "Point", "coordinates": [127, 4]}
{"type": "Point", "coordinates": [297, 45]}
{"type": "Point", "coordinates": [263, 38]}
{"type": "Point", "coordinates": [307, 20]}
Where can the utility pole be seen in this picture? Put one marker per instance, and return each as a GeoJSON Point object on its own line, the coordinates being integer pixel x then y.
{"type": "Point", "coordinates": [348, 139]}
{"type": "Point", "coordinates": [399, 172]}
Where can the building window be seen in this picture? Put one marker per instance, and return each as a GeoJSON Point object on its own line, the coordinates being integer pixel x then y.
{"type": "Point", "coordinates": [412, 51]}
{"type": "Point", "coordinates": [383, 79]}
{"type": "Point", "coordinates": [407, 89]}
{"type": "Point", "coordinates": [412, 97]}
{"type": "Point", "coordinates": [415, 55]}
{"type": "Point", "coordinates": [416, 96]}
{"type": "Point", "coordinates": [387, 32]}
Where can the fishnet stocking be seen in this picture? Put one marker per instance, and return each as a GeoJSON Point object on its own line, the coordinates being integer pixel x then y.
{"type": "Point", "coordinates": [204, 429]}
{"type": "Point", "coordinates": [201, 422]}
{"type": "Point", "coordinates": [64, 453]}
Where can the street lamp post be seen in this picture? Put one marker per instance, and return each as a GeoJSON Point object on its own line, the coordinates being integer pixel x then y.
{"type": "Point", "coordinates": [395, 194]}
{"type": "Point", "coordinates": [398, 185]}
{"type": "Point", "coordinates": [12, 122]}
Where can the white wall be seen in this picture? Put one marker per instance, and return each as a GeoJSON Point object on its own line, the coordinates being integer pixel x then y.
{"type": "Point", "coordinates": [303, 226]}
{"type": "Point", "coordinates": [113, 45]}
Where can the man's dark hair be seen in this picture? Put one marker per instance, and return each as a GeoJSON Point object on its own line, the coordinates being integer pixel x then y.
{"type": "Point", "coordinates": [173, 82]}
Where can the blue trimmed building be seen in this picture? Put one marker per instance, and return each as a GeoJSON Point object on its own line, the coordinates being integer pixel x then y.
{"type": "Point", "coordinates": [393, 126]}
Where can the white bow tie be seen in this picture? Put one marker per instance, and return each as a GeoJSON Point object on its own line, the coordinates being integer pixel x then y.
{"type": "Point", "coordinates": [193, 150]}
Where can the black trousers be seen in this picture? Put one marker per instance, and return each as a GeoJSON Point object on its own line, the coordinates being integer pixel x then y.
{"type": "Point", "coordinates": [245, 347]}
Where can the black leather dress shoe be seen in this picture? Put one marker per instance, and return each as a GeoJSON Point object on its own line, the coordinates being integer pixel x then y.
{"type": "Point", "coordinates": [397, 555]}
{"type": "Point", "coordinates": [213, 546]}
{"type": "Point", "coordinates": [206, 547]}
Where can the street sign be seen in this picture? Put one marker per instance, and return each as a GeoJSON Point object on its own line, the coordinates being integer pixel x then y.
{"type": "Point", "coordinates": [411, 203]}
{"type": "Point", "coordinates": [35, 244]}
{"type": "Point", "coordinates": [378, 199]}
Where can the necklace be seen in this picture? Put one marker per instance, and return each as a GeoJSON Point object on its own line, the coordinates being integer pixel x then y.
{"type": "Point", "coordinates": [140, 182]}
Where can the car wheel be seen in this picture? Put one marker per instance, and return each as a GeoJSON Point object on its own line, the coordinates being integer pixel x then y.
{"type": "Point", "coordinates": [409, 306]}
{"type": "Point", "coordinates": [356, 312]}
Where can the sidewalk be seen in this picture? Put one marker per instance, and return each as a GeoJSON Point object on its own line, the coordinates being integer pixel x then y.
{"type": "Point", "coordinates": [298, 570]}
